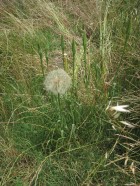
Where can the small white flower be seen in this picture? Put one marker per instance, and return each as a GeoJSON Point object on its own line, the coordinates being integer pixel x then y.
{"type": "Point", "coordinates": [57, 82]}
{"type": "Point", "coordinates": [118, 108]}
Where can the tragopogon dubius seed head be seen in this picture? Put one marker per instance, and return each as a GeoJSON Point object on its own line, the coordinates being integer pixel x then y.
{"type": "Point", "coordinates": [57, 82]}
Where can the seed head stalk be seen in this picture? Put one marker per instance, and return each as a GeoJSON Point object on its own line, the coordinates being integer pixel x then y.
{"type": "Point", "coordinates": [73, 61]}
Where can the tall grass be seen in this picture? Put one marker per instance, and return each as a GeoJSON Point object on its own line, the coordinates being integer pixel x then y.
{"type": "Point", "coordinates": [69, 139]}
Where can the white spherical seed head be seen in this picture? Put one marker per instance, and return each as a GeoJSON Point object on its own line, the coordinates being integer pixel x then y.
{"type": "Point", "coordinates": [57, 82]}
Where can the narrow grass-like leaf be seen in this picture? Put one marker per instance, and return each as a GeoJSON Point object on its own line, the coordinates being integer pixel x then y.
{"type": "Point", "coordinates": [85, 57]}
{"type": "Point", "coordinates": [47, 56]}
{"type": "Point", "coordinates": [41, 59]}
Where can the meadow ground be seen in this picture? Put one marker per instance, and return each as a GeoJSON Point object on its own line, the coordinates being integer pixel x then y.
{"type": "Point", "coordinates": [88, 133]}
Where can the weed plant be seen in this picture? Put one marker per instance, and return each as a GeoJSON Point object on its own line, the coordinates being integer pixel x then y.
{"type": "Point", "coordinates": [80, 137]}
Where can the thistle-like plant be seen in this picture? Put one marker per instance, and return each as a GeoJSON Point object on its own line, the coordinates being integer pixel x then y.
{"type": "Point", "coordinates": [57, 82]}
